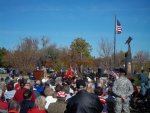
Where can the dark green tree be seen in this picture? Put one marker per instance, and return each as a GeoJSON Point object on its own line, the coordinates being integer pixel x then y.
{"type": "Point", "coordinates": [80, 53]}
{"type": "Point", "coordinates": [80, 46]}
{"type": "Point", "coordinates": [3, 52]}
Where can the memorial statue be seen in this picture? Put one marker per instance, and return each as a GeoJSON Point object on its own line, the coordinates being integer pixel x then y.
{"type": "Point", "coordinates": [128, 57]}
{"type": "Point", "coordinates": [128, 41]}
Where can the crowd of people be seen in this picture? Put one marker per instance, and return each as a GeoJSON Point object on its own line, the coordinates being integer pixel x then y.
{"type": "Point", "coordinates": [76, 94]}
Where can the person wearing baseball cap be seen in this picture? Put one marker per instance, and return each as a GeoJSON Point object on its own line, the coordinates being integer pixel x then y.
{"type": "Point", "coordinates": [122, 89]}
{"type": "Point", "coordinates": [60, 105]}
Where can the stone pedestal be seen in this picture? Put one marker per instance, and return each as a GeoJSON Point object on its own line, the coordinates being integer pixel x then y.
{"type": "Point", "coordinates": [128, 61]}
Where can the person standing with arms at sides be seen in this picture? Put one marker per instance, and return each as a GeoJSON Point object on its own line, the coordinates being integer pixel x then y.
{"type": "Point", "coordinates": [148, 83]}
{"type": "Point", "coordinates": [143, 80]}
{"type": "Point", "coordinates": [122, 89]}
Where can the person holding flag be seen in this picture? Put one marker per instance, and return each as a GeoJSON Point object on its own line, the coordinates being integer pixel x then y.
{"type": "Point", "coordinates": [70, 73]}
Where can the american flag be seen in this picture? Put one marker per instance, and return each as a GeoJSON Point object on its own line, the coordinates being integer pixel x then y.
{"type": "Point", "coordinates": [110, 72]}
{"type": "Point", "coordinates": [118, 27]}
{"type": "Point", "coordinates": [61, 94]}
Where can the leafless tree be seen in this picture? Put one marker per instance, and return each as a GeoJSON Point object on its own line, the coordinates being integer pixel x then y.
{"type": "Point", "coordinates": [120, 59]}
{"type": "Point", "coordinates": [105, 51]}
{"type": "Point", "coordinates": [26, 55]}
{"type": "Point", "coordinates": [140, 59]}
{"type": "Point", "coordinates": [44, 41]}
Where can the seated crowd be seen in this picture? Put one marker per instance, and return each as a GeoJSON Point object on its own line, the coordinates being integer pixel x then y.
{"type": "Point", "coordinates": [58, 95]}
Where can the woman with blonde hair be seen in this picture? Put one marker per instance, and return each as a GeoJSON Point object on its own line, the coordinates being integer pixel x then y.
{"type": "Point", "coordinates": [90, 87]}
{"type": "Point", "coordinates": [39, 105]}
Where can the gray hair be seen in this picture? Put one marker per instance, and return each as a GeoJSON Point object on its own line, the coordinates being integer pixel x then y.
{"type": "Point", "coordinates": [40, 102]}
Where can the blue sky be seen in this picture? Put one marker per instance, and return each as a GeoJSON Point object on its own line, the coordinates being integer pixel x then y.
{"type": "Point", "coordinates": [64, 20]}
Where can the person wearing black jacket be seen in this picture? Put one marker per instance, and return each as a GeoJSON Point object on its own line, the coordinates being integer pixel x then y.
{"type": "Point", "coordinates": [83, 101]}
{"type": "Point", "coordinates": [26, 104]}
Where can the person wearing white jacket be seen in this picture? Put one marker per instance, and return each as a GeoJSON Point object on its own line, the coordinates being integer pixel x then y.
{"type": "Point", "coordinates": [49, 96]}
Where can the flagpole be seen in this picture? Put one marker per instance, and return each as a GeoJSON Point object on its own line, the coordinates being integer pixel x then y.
{"type": "Point", "coordinates": [115, 43]}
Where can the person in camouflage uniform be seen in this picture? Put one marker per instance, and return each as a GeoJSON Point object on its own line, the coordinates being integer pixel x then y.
{"type": "Point", "coordinates": [122, 90]}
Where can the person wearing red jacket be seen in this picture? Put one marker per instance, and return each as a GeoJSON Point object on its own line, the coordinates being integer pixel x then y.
{"type": "Point", "coordinates": [19, 93]}
{"type": "Point", "coordinates": [3, 105]}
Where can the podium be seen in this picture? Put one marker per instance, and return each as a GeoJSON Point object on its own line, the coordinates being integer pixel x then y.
{"type": "Point", "coordinates": [38, 74]}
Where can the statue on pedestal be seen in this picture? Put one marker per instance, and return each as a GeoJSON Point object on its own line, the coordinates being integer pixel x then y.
{"type": "Point", "coordinates": [128, 57]}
